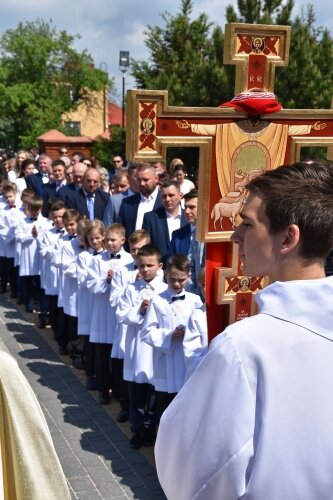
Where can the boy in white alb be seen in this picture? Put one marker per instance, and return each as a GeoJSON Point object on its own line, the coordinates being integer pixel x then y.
{"type": "Point", "coordinates": [65, 324]}
{"type": "Point", "coordinates": [9, 217]}
{"type": "Point", "coordinates": [68, 267]}
{"type": "Point", "coordinates": [103, 317]}
{"type": "Point", "coordinates": [195, 341]}
{"type": "Point", "coordinates": [27, 231]}
{"type": "Point", "coordinates": [94, 236]}
{"type": "Point", "coordinates": [47, 244]}
{"type": "Point", "coordinates": [122, 277]}
{"type": "Point", "coordinates": [164, 328]}
{"type": "Point", "coordinates": [138, 361]}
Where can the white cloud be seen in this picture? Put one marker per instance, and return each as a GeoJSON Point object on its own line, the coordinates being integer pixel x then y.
{"type": "Point", "coordinates": [108, 26]}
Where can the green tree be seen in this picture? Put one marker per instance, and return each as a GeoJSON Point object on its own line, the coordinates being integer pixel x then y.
{"type": "Point", "coordinates": [186, 56]}
{"type": "Point", "coordinates": [261, 12]}
{"type": "Point", "coordinates": [41, 77]}
{"type": "Point", "coordinates": [307, 81]}
{"type": "Point", "coordinates": [186, 60]}
{"type": "Point", "coordinates": [105, 149]}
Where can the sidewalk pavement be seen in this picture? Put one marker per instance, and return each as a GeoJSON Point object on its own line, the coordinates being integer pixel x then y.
{"type": "Point", "coordinates": [94, 451]}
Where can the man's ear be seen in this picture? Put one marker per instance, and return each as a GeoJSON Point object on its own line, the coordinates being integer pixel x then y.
{"type": "Point", "coordinates": [291, 238]}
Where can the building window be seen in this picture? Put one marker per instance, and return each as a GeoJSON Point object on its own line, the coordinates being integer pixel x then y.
{"type": "Point", "coordinates": [73, 128]}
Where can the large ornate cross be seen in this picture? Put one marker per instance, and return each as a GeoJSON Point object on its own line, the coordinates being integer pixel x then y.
{"type": "Point", "coordinates": [233, 148]}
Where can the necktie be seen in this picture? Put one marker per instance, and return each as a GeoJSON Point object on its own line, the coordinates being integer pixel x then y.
{"type": "Point", "coordinates": [90, 205]}
{"type": "Point", "coordinates": [177, 297]}
{"type": "Point", "coordinates": [115, 256]}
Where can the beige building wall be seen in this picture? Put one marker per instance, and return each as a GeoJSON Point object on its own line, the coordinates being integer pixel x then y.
{"type": "Point", "coordinates": [93, 118]}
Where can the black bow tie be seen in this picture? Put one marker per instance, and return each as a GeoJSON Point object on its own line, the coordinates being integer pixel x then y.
{"type": "Point", "coordinates": [135, 267]}
{"type": "Point", "coordinates": [32, 219]}
{"type": "Point", "coordinates": [115, 256]}
{"type": "Point", "coordinates": [71, 236]}
{"type": "Point", "coordinates": [96, 252]}
{"type": "Point", "coordinates": [177, 297]}
{"type": "Point", "coordinates": [60, 231]}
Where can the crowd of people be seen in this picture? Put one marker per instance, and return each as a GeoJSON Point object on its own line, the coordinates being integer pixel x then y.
{"type": "Point", "coordinates": [111, 263]}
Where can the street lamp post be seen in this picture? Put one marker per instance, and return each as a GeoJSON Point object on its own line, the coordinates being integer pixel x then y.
{"type": "Point", "coordinates": [123, 65]}
{"type": "Point", "coordinates": [104, 67]}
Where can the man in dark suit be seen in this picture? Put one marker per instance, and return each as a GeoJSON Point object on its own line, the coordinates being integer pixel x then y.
{"type": "Point", "coordinates": [69, 189]}
{"type": "Point", "coordinates": [181, 238]}
{"type": "Point", "coordinates": [113, 206]}
{"type": "Point", "coordinates": [51, 188]}
{"type": "Point", "coordinates": [133, 208]}
{"type": "Point", "coordinates": [161, 223]}
{"type": "Point", "coordinates": [90, 200]}
{"type": "Point", "coordinates": [39, 180]}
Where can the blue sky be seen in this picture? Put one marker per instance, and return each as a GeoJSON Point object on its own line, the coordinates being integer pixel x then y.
{"type": "Point", "coordinates": [108, 26]}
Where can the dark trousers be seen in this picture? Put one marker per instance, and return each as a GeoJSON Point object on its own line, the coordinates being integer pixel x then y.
{"type": "Point", "coordinates": [33, 292]}
{"type": "Point", "coordinates": [53, 309]}
{"type": "Point", "coordinates": [61, 334]}
{"type": "Point", "coordinates": [89, 355]}
{"type": "Point", "coordinates": [142, 405]}
{"type": "Point", "coordinates": [118, 384]}
{"type": "Point", "coordinates": [102, 367]}
{"type": "Point", "coordinates": [3, 274]}
{"type": "Point", "coordinates": [12, 275]}
{"type": "Point", "coordinates": [163, 399]}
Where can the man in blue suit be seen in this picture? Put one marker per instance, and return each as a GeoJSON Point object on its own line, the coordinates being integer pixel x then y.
{"type": "Point", "coordinates": [90, 200]}
{"type": "Point", "coordinates": [161, 223]}
{"type": "Point", "coordinates": [112, 209]}
{"type": "Point", "coordinates": [133, 208]}
{"type": "Point", "coordinates": [181, 238]}
{"type": "Point", "coordinates": [51, 188]}
{"type": "Point", "coordinates": [39, 180]}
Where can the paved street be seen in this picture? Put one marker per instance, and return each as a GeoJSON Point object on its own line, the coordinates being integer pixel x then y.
{"type": "Point", "coordinates": [93, 449]}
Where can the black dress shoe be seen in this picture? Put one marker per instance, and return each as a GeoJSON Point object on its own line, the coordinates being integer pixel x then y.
{"type": "Point", "coordinates": [122, 416]}
{"type": "Point", "coordinates": [148, 437]}
{"type": "Point", "coordinates": [91, 383]}
{"type": "Point", "coordinates": [79, 362]}
{"type": "Point", "coordinates": [41, 323]}
{"type": "Point", "coordinates": [136, 441]}
{"type": "Point", "coordinates": [104, 397]}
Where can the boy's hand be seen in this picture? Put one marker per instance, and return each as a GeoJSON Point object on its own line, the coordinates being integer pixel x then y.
{"type": "Point", "coordinates": [109, 276]}
{"type": "Point", "coordinates": [144, 306]}
{"type": "Point", "coordinates": [178, 333]}
{"type": "Point", "coordinates": [34, 231]}
{"type": "Point", "coordinates": [138, 277]}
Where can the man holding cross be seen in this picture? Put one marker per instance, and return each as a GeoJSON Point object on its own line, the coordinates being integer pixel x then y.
{"type": "Point", "coordinates": [255, 420]}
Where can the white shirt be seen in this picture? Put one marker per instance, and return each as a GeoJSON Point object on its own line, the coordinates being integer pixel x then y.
{"type": "Point", "coordinates": [145, 205]}
{"type": "Point", "coordinates": [173, 222]}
